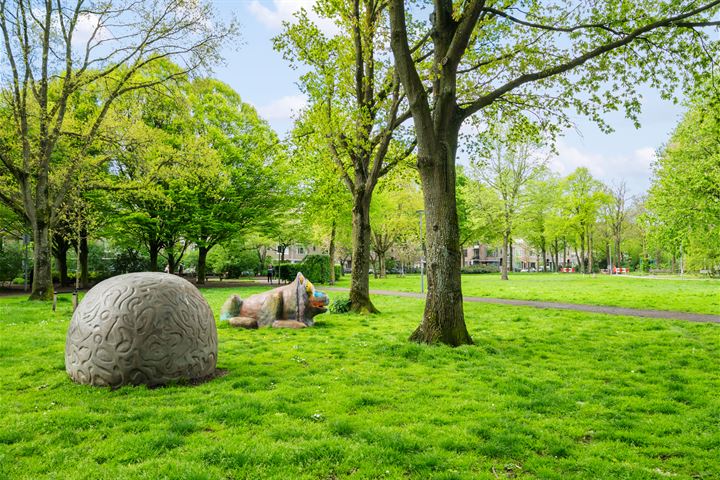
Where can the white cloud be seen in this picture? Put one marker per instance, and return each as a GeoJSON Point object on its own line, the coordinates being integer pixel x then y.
{"type": "Point", "coordinates": [280, 11]}
{"type": "Point", "coordinates": [85, 28]}
{"type": "Point", "coordinates": [283, 108]}
{"type": "Point", "coordinates": [633, 167]}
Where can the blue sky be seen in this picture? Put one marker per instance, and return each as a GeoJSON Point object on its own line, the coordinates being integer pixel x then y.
{"type": "Point", "coordinates": [264, 79]}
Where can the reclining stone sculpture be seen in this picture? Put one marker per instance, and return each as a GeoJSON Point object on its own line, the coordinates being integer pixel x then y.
{"type": "Point", "coordinates": [290, 306]}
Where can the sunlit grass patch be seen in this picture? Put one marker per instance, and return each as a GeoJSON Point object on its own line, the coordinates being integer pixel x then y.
{"type": "Point", "coordinates": [542, 394]}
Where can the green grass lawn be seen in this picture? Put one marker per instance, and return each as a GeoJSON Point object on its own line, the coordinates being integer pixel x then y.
{"type": "Point", "coordinates": [697, 296]}
{"type": "Point", "coordinates": [542, 394]}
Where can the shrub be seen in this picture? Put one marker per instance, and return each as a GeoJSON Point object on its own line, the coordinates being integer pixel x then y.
{"type": "Point", "coordinates": [473, 269]}
{"type": "Point", "coordinates": [316, 268]}
{"type": "Point", "coordinates": [338, 272]}
{"type": "Point", "coordinates": [341, 305]}
{"type": "Point", "coordinates": [10, 262]}
{"type": "Point", "coordinates": [129, 260]}
{"type": "Point", "coordinates": [287, 271]}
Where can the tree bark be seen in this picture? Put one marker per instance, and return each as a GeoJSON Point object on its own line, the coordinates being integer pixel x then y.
{"type": "Point", "coordinates": [202, 262]}
{"type": "Point", "coordinates": [590, 252]}
{"type": "Point", "coordinates": [360, 280]}
{"type": "Point", "coordinates": [42, 284]}
{"type": "Point", "coordinates": [443, 319]}
{"type": "Point", "coordinates": [331, 253]}
{"type": "Point", "coordinates": [505, 257]}
{"type": "Point", "coordinates": [84, 255]}
{"type": "Point", "coordinates": [154, 250]}
{"type": "Point", "coordinates": [60, 249]}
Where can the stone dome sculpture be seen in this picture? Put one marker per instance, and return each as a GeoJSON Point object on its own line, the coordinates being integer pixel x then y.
{"type": "Point", "coordinates": [141, 328]}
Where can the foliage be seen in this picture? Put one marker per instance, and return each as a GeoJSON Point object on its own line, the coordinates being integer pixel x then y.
{"type": "Point", "coordinates": [684, 199]}
{"type": "Point", "coordinates": [471, 269]}
{"type": "Point", "coordinates": [316, 268]}
{"type": "Point", "coordinates": [66, 65]}
{"type": "Point", "coordinates": [11, 261]}
{"type": "Point", "coordinates": [129, 260]}
{"type": "Point", "coordinates": [340, 305]}
{"type": "Point", "coordinates": [355, 111]}
{"type": "Point", "coordinates": [287, 271]}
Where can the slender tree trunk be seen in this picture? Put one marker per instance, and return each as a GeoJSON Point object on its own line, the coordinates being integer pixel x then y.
{"type": "Point", "coordinates": [609, 257]}
{"type": "Point", "coordinates": [544, 260]}
{"type": "Point", "coordinates": [62, 266]}
{"type": "Point", "coordinates": [580, 259]}
{"type": "Point", "coordinates": [331, 252]}
{"type": "Point", "coordinates": [512, 252]}
{"type": "Point", "coordinates": [557, 255]}
{"type": "Point", "coordinates": [42, 284]}
{"type": "Point", "coordinates": [84, 254]}
{"type": "Point", "coordinates": [590, 252]}
{"type": "Point", "coordinates": [444, 319]}
{"type": "Point", "coordinates": [618, 255]}
{"type": "Point", "coordinates": [360, 279]}
{"type": "Point", "coordinates": [381, 259]}
{"type": "Point", "coordinates": [154, 250]}
{"type": "Point", "coordinates": [60, 249]}
{"type": "Point", "coordinates": [505, 256]}
{"type": "Point", "coordinates": [202, 262]}
{"type": "Point", "coordinates": [171, 262]}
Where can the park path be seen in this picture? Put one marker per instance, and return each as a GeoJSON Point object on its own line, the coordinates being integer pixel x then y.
{"type": "Point", "coordinates": [629, 312]}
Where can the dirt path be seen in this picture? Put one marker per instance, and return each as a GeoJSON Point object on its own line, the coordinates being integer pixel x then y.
{"type": "Point", "coordinates": [630, 312]}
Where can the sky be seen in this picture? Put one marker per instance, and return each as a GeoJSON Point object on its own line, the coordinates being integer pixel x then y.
{"type": "Point", "coordinates": [262, 78]}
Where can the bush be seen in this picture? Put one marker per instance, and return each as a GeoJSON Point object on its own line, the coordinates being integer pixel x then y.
{"type": "Point", "coordinates": [10, 262]}
{"type": "Point", "coordinates": [129, 260]}
{"type": "Point", "coordinates": [341, 305]}
{"type": "Point", "coordinates": [287, 271]}
{"type": "Point", "coordinates": [474, 269]}
{"type": "Point", "coordinates": [316, 268]}
{"type": "Point", "coordinates": [338, 272]}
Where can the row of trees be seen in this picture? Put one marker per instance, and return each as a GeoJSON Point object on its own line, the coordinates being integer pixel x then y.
{"type": "Point", "coordinates": [472, 60]}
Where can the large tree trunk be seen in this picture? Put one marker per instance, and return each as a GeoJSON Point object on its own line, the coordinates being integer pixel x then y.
{"type": "Point", "coordinates": [331, 253]}
{"type": "Point", "coordinates": [444, 319]}
{"type": "Point", "coordinates": [618, 255]}
{"type": "Point", "coordinates": [202, 261]}
{"type": "Point", "coordinates": [360, 280]}
{"type": "Point", "coordinates": [505, 256]}
{"type": "Point", "coordinates": [42, 284]}
{"type": "Point", "coordinates": [437, 132]}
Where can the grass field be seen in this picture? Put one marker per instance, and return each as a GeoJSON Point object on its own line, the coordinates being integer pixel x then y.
{"type": "Point", "coordinates": [697, 296]}
{"type": "Point", "coordinates": [542, 394]}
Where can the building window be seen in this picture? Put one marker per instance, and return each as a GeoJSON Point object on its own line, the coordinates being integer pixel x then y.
{"type": "Point", "coordinates": [301, 250]}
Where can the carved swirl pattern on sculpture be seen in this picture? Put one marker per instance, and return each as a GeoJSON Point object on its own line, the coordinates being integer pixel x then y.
{"type": "Point", "coordinates": [141, 328]}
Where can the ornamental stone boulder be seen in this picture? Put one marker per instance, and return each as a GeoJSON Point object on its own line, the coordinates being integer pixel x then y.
{"type": "Point", "coordinates": [141, 328]}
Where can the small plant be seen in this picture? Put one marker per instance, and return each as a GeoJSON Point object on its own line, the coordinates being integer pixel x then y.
{"type": "Point", "coordinates": [341, 305]}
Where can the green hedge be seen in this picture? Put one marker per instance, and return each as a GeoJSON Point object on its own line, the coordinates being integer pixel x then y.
{"type": "Point", "coordinates": [315, 268]}
{"type": "Point", "coordinates": [474, 269]}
